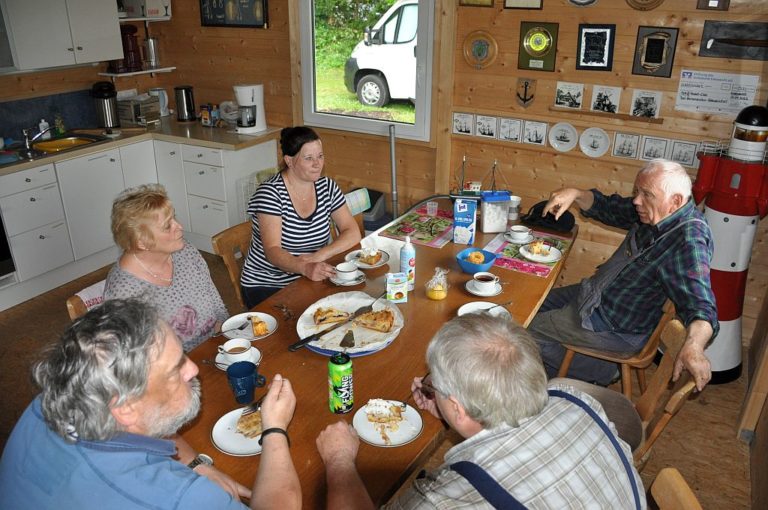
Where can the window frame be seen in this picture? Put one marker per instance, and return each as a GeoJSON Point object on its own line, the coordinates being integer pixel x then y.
{"type": "Point", "coordinates": [420, 129]}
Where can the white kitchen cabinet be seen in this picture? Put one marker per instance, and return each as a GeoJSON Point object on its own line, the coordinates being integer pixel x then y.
{"type": "Point", "coordinates": [33, 216]}
{"type": "Point", "coordinates": [170, 173]}
{"type": "Point", "coordinates": [138, 162]}
{"type": "Point", "coordinates": [88, 185]}
{"type": "Point", "coordinates": [53, 33]}
{"type": "Point", "coordinates": [219, 183]}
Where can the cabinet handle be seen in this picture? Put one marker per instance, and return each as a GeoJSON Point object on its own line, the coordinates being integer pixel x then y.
{"type": "Point", "coordinates": [173, 153]}
{"type": "Point", "coordinates": [42, 236]}
{"type": "Point", "coordinates": [71, 49]}
{"type": "Point", "coordinates": [200, 155]}
{"type": "Point", "coordinates": [99, 157]}
{"type": "Point", "coordinates": [27, 180]}
{"type": "Point", "coordinates": [205, 206]}
{"type": "Point", "coordinates": [201, 172]}
{"type": "Point", "coordinates": [111, 160]}
{"type": "Point", "coordinates": [80, 48]}
{"type": "Point", "coordinates": [32, 199]}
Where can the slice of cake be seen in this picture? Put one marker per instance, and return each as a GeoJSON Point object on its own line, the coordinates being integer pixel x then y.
{"type": "Point", "coordinates": [370, 256]}
{"type": "Point", "coordinates": [249, 425]}
{"type": "Point", "coordinates": [260, 327]}
{"type": "Point", "coordinates": [380, 320]}
{"type": "Point", "coordinates": [329, 315]}
{"type": "Point", "coordinates": [385, 417]}
{"type": "Point", "coordinates": [538, 248]}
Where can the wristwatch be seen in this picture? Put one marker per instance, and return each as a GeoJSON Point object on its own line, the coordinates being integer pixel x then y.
{"type": "Point", "coordinates": [200, 459]}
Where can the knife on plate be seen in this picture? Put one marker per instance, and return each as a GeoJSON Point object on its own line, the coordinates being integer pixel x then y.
{"type": "Point", "coordinates": [311, 338]}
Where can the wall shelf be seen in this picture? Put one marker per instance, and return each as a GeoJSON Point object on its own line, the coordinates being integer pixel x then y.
{"type": "Point", "coordinates": [127, 20]}
{"type": "Point", "coordinates": [136, 73]}
{"type": "Point", "coordinates": [608, 116]}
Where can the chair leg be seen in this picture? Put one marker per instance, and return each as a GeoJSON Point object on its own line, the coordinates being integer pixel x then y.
{"type": "Point", "coordinates": [626, 381]}
{"type": "Point", "coordinates": [641, 379]}
{"type": "Point", "coordinates": [566, 364]}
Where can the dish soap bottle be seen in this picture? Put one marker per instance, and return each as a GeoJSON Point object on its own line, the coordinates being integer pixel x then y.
{"type": "Point", "coordinates": [408, 262]}
{"type": "Point", "coordinates": [43, 126]}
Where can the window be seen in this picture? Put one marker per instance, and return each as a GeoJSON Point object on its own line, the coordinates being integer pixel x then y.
{"type": "Point", "coordinates": [367, 64]}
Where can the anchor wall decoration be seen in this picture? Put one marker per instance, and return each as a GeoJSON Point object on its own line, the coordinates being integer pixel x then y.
{"type": "Point", "coordinates": [526, 91]}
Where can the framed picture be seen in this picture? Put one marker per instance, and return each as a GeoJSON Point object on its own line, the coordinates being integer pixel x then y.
{"type": "Point", "coordinates": [477, 3]}
{"type": "Point", "coordinates": [653, 148]}
{"type": "Point", "coordinates": [569, 95]}
{"type": "Point", "coordinates": [535, 132]}
{"type": "Point", "coordinates": [684, 152]}
{"type": "Point", "coordinates": [510, 129]}
{"type": "Point", "coordinates": [605, 99]}
{"type": "Point", "coordinates": [626, 145]}
{"type": "Point", "coordinates": [523, 4]}
{"type": "Point", "coordinates": [485, 126]}
{"type": "Point", "coordinates": [463, 123]}
{"type": "Point", "coordinates": [538, 46]}
{"type": "Point", "coordinates": [645, 103]}
{"type": "Point", "coordinates": [242, 13]}
{"type": "Point", "coordinates": [713, 5]}
{"type": "Point", "coordinates": [595, 47]}
{"type": "Point", "coordinates": [654, 51]}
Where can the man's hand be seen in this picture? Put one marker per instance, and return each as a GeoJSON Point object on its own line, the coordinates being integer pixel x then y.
{"type": "Point", "coordinates": [338, 444]}
{"type": "Point", "coordinates": [279, 404]}
{"type": "Point", "coordinates": [422, 401]}
{"type": "Point", "coordinates": [691, 356]}
{"type": "Point", "coordinates": [236, 490]}
{"type": "Point", "coordinates": [562, 199]}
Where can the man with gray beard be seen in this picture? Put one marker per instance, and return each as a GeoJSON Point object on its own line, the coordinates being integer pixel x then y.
{"type": "Point", "coordinates": [113, 389]}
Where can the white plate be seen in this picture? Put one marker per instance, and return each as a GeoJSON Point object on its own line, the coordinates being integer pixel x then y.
{"type": "Point", "coordinates": [563, 137]}
{"type": "Point", "coordinates": [594, 142]}
{"type": "Point", "coordinates": [357, 280]}
{"type": "Point", "coordinates": [410, 428]}
{"type": "Point", "coordinates": [226, 438]}
{"type": "Point", "coordinates": [479, 306]}
{"type": "Point", "coordinates": [509, 239]}
{"type": "Point", "coordinates": [553, 255]}
{"type": "Point", "coordinates": [222, 364]}
{"type": "Point", "coordinates": [366, 340]}
{"type": "Point", "coordinates": [353, 256]}
{"type": "Point", "coordinates": [237, 320]}
{"type": "Point", "coordinates": [470, 286]}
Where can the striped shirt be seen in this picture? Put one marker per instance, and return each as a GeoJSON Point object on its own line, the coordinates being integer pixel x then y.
{"type": "Point", "coordinates": [299, 235]}
{"type": "Point", "coordinates": [559, 458]}
{"type": "Point", "coordinates": [675, 267]}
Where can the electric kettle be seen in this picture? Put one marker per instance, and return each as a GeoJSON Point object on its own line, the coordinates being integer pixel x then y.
{"type": "Point", "coordinates": [185, 103]}
{"type": "Point", "coordinates": [162, 96]}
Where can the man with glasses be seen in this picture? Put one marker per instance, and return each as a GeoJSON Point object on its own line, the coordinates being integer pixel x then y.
{"type": "Point", "coordinates": [539, 446]}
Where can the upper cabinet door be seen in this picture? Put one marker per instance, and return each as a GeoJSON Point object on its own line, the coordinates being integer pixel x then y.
{"type": "Point", "coordinates": [53, 33]}
{"type": "Point", "coordinates": [95, 30]}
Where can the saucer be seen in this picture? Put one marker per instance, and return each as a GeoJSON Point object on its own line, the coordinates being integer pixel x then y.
{"type": "Point", "coordinates": [222, 364]}
{"type": "Point", "coordinates": [509, 239]}
{"type": "Point", "coordinates": [357, 280]}
{"type": "Point", "coordinates": [470, 286]}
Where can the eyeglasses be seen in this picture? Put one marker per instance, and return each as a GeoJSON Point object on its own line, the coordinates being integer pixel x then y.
{"type": "Point", "coordinates": [427, 388]}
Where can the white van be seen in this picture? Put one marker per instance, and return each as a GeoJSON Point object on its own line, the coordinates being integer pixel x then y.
{"type": "Point", "coordinates": [383, 65]}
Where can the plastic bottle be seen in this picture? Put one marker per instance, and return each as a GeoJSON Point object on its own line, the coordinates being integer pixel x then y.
{"type": "Point", "coordinates": [43, 126]}
{"type": "Point", "coordinates": [59, 123]}
{"type": "Point", "coordinates": [408, 262]}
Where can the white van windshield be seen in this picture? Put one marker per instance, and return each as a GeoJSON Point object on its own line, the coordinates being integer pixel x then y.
{"type": "Point", "coordinates": [401, 27]}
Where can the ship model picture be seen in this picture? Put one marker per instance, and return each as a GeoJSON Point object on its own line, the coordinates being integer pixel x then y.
{"type": "Point", "coordinates": [626, 149]}
{"type": "Point", "coordinates": [534, 136]}
{"type": "Point", "coordinates": [562, 136]}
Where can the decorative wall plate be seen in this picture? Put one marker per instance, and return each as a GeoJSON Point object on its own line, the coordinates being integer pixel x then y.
{"type": "Point", "coordinates": [537, 42]}
{"type": "Point", "coordinates": [563, 137]}
{"type": "Point", "coordinates": [480, 49]}
{"type": "Point", "coordinates": [644, 5]}
{"type": "Point", "coordinates": [594, 142]}
{"type": "Point", "coordinates": [582, 3]}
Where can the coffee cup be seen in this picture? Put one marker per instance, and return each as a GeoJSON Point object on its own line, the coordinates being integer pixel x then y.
{"type": "Point", "coordinates": [244, 378]}
{"type": "Point", "coordinates": [236, 349]}
{"type": "Point", "coordinates": [346, 271]}
{"type": "Point", "coordinates": [485, 283]}
{"type": "Point", "coordinates": [519, 233]}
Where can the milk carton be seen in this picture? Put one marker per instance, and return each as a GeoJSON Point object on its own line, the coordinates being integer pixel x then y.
{"type": "Point", "coordinates": [464, 212]}
{"type": "Point", "coordinates": [397, 287]}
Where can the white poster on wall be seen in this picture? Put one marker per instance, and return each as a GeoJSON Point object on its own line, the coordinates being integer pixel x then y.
{"type": "Point", "coordinates": [704, 91]}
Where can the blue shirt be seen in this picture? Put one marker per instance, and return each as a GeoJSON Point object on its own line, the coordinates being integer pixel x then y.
{"type": "Point", "coordinates": [40, 470]}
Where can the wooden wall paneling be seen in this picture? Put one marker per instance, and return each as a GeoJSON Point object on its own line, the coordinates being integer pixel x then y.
{"type": "Point", "coordinates": [26, 85]}
{"type": "Point", "coordinates": [442, 93]}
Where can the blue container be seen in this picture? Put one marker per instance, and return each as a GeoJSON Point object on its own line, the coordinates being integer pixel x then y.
{"type": "Point", "coordinates": [470, 268]}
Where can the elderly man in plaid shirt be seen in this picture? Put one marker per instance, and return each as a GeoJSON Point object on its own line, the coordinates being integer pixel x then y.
{"type": "Point", "coordinates": [666, 254]}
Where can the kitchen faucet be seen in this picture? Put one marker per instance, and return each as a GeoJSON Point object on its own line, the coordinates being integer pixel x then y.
{"type": "Point", "coordinates": [28, 152]}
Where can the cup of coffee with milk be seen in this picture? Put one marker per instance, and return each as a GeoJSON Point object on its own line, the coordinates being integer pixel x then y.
{"type": "Point", "coordinates": [519, 233]}
{"type": "Point", "coordinates": [485, 282]}
{"type": "Point", "coordinates": [238, 349]}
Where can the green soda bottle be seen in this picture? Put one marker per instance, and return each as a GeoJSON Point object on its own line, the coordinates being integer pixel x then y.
{"type": "Point", "coordinates": [340, 383]}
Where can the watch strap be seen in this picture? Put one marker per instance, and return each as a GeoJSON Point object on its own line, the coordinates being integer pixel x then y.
{"type": "Point", "coordinates": [275, 430]}
{"type": "Point", "coordinates": [200, 459]}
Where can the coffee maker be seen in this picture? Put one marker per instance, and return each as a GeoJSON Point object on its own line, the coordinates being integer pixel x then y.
{"type": "Point", "coordinates": [251, 118]}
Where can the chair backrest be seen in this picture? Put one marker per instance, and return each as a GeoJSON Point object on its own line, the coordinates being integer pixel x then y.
{"type": "Point", "coordinates": [654, 419]}
{"type": "Point", "coordinates": [671, 492]}
{"type": "Point", "coordinates": [649, 350]}
{"type": "Point", "coordinates": [358, 202]}
{"type": "Point", "coordinates": [232, 246]}
{"type": "Point", "coordinates": [88, 298]}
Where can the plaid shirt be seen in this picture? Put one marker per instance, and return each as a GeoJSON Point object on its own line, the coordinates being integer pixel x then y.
{"type": "Point", "coordinates": [675, 267]}
{"type": "Point", "coordinates": [559, 458]}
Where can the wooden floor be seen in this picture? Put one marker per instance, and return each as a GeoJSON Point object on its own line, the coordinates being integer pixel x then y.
{"type": "Point", "coordinates": [701, 441]}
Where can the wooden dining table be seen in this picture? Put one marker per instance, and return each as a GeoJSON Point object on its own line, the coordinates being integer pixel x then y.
{"type": "Point", "coordinates": [387, 373]}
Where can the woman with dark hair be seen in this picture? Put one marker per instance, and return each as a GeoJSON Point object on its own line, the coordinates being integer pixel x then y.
{"type": "Point", "coordinates": [291, 215]}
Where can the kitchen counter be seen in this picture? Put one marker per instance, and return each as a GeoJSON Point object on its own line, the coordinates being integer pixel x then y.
{"type": "Point", "coordinates": [169, 130]}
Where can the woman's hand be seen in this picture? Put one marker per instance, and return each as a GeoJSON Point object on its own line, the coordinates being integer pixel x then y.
{"type": "Point", "coordinates": [315, 271]}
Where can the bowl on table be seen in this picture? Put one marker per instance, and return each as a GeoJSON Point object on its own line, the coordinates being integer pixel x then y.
{"type": "Point", "coordinates": [471, 267]}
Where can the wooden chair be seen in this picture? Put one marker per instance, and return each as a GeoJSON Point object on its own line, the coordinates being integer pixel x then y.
{"type": "Point", "coordinates": [232, 245]}
{"type": "Point", "coordinates": [671, 492]}
{"type": "Point", "coordinates": [88, 298]}
{"type": "Point", "coordinates": [639, 362]}
{"type": "Point", "coordinates": [640, 424]}
{"type": "Point", "coordinates": [358, 201]}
